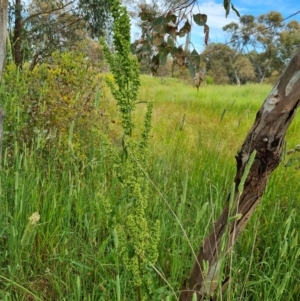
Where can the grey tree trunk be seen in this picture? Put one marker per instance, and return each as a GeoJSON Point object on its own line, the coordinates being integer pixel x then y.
{"type": "Point", "coordinates": [266, 137]}
{"type": "Point", "coordinates": [3, 33]}
{"type": "Point", "coordinates": [237, 78]}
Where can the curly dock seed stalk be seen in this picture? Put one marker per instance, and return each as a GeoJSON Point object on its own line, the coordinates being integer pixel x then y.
{"type": "Point", "coordinates": [137, 236]}
{"type": "Point", "coordinates": [124, 67]}
{"type": "Point", "coordinates": [30, 229]}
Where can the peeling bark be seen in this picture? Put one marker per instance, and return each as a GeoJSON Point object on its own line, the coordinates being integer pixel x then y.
{"type": "Point", "coordinates": [266, 137]}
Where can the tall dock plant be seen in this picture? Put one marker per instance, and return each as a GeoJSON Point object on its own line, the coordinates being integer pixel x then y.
{"type": "Point", "coordinates": [137, 237]}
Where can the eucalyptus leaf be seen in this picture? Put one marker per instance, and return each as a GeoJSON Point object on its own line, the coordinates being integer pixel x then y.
{"type": "Point", "coordinates": [200, 19]}
{"type": "Point", "coordinates": [227, 7]}
{"type": "Point", "coordinates": [193, 62]}
{"type": "Point", "coordinates": [195, 58]}
{"type": "Point", "coordinates": [236, 11]}
{"type": "Point", "coordinates": [159, 21]}
{"type": "Point", "coordinates": [163, 54]}
{"type": "Point", "coordinates": [192, 70]}
{"type": "Point", "coordinates": [171, 41]}
{"type": "Point", "coordinates": [171, 18]}
{"type": "Point", "coordinates": [186, 28]}
{"type": "Point", "coordinates": [206, 32]}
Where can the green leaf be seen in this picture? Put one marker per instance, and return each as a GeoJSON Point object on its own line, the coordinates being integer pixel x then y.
{"type": "Point", "coordinates": [194, 62]}
{"type": "Point", "coordinates": [171, 18]}
{"type": "Point", "coordinates": [236, 11]}
{"type": "Point", "coordinates": [200, 19]}
{"type": "Point", "coordinates": [227, 7]}
{"type": "Point", "coordinates": [186, 28]}
{"type": "Point", "coordinates": [159, 29]}
{"type": "Point", "coordinates": [181, 33]}
{"type": "Point", "coordinates": [206, 32]}
{"type": "Point", "coordinates": [159, 21]}
{"type": "Point", "coordinates": [163, 54]}
{"type": "Point", "coordinates": [195, 58]}
{"type": "Point", "coordinates": [192, 70]}
{"type": "Point", "coordinates": [173, 50]}
{"type": "Point", "coordinates": [145, 16]}
{"type": "Point", "coordinates": [171, 41]}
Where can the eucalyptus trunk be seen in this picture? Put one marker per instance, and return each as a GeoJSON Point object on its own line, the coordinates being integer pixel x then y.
{"type": "Point", "coordinates": [266, 138]}
{"type": "Point", "coordinates": [3, 34]}
{"type": "Point", "coordinates": [17, 34]}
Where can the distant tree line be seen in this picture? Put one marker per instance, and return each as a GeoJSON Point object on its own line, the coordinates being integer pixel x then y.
{"type": "Point", "coordinates": [257, 48]}
{"type": "Point", "coordinates": [37, 28]}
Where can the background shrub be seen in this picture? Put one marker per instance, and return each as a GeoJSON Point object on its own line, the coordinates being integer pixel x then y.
{"type": "Point", "coordinates": [55, 102]}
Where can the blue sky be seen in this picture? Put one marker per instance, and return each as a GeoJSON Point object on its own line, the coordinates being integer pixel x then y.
{"type": "Point", "coordinates": [257, 7]}
{"type": "Point", "coordinates": [216, 13]}
{"type": "Point", "coordinates": [216, 16]}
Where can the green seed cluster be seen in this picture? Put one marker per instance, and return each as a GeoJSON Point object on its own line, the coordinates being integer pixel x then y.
{"type": "Point", "coordinates": [137, 237]}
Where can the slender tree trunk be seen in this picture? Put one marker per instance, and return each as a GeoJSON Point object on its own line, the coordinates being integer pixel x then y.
{"type": "Point", "coordinates": [3, 34]}
{"type": "Point", "coordinates": [266, 137]}
{"type": "Point", "coordinates": [261, 74]}
{"type": "Point", "coordinates": [34, 61]}
{"type": "Point", "coordinates": [237, 78]}
{"type": "Point", "coordinates": [17, 35]}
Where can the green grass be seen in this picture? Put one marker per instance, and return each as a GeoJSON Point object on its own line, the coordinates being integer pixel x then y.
{"type": "Point", "coordinates": [73, 255]}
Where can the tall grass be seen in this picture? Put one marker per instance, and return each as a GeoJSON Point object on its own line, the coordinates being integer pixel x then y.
{"type": "Point", "coordinates": [72, 255]}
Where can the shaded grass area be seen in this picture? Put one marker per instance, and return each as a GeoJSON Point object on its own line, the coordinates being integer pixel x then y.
{"type": "Point", "coordinates": [194, 140]}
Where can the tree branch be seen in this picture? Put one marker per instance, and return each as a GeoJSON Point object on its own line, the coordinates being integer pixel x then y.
{"type": "Point", "coordinates": [266, 138]}
{"type": "Point", "coordinates": [47, 12]}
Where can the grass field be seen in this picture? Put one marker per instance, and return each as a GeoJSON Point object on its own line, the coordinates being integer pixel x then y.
{"type": "Point", "coordinates": [194, 139]}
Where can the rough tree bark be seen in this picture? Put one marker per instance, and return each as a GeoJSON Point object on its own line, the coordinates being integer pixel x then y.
{"type": "Point", "coordinates": [3, 35]}
{"type": "Point", "coordinates": [17, 34]}
{"type": "Point", "coordinates": [267, 138]}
